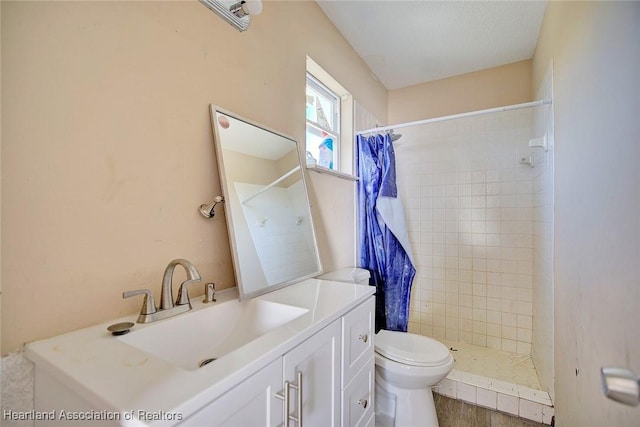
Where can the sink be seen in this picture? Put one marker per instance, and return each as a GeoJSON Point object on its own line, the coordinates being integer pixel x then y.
{"type": "Point", "coordinates": [196, 338]}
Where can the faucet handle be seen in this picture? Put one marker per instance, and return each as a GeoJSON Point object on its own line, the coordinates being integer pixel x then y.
{"type": "Point", "coordinates": [209, 292]}
{"type": "Point", "coordinates": [148, 305]}
{"type": "Point", "coordinates": [183, 295]}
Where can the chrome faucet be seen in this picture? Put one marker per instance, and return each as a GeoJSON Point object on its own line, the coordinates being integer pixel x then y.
{"type": "Point", "coordinates": [166, 297]}
{"type": "Point", "coordinates": [149, 312]}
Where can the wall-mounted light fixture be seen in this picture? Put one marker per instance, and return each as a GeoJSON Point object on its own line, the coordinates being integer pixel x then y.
{"type": "Point", "coordinates": [236, 13]}
{"type": "Point", "coordinates": [207, 210]}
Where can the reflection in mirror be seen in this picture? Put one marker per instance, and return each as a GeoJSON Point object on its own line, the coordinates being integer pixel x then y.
{"type": "Point", "coordinates": [266, 205]}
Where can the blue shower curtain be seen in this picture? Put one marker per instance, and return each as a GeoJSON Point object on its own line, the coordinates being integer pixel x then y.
{"type": "Point", "coordinates": [384, 243]}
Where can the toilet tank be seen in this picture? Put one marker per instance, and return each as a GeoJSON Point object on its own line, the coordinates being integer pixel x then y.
{"type": "Point", "coordinates": [359, 276]}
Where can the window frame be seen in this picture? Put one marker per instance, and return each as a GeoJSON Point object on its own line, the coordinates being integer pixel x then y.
{"type": "Point", "coordinates": [336, 101]}
{"type": "Point", "coordinates": [346, 153]}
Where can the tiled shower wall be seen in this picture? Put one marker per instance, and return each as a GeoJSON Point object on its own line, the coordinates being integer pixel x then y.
{"type": "Point", "coordinates": [283, 243]}
{"type": "Point", "coordinates": [469, 207]}
{"type": "Point", "coordinates": [543, 325]}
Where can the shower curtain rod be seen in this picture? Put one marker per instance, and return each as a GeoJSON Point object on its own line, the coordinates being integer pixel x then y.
{"type": "Point", "coordinates": [457, 116]}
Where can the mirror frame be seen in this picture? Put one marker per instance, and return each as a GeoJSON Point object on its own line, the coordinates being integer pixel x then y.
{"type": "Point", "coordinates": [227, 209]}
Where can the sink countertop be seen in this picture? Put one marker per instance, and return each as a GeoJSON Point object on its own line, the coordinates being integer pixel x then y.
{"type": "Point", "coordinates": [114, 376]}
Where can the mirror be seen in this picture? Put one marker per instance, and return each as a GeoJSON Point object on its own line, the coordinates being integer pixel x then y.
{"type": "Point", "coordinates": [266, 205]}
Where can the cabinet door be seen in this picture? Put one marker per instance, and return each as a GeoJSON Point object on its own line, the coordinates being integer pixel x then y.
{"type": "Point", "coordinates": [318, 361]}
{"type": "Point", "coordinates": [250, 403]}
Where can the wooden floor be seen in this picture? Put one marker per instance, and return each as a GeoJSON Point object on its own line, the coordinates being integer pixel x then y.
{"type": "Point", "coordinates": [456, 413]}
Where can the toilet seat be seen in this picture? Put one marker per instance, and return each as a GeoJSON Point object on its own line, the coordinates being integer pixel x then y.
{"type": "Point", "coordinates": [411, 349]}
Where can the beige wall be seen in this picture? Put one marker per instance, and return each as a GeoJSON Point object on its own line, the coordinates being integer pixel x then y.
{"type": "Point", "coordinates": [596, 58]}
{"type": "Point", "coordinates": [250, 169]}
{"type": "Point", "coordinates": [107, 148]}
{"type": "Point", "coordinates": [493, 87]}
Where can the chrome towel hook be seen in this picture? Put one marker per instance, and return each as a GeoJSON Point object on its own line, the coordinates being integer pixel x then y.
{"type": "Point", "coordinates": [208, 210]}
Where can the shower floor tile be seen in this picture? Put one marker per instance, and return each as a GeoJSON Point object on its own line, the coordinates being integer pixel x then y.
{"type": "Point", "coordinates": [496, 380]}
{"type": "Point", "coordinates": [503, 370]}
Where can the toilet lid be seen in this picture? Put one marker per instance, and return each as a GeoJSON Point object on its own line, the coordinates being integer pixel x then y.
{"type": "Point", "coordinates": [411, 349]}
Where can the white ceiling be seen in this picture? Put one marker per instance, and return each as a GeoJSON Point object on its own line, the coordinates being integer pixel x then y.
{"type": "Point", "coordinates": [410, 42]}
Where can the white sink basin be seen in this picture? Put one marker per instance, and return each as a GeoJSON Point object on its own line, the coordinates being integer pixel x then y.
{"type": "Point", "coordinates": [189, 339]}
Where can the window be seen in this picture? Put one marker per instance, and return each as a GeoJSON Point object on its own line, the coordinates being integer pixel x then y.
{"type": "Point", "coordinates": [329, 123]}
{"type": "Point", "coordinates": [323, 124]}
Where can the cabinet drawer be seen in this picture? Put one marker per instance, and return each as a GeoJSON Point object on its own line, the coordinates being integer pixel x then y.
{"type": "Point", "coordinates": [358, 327]}
{"type": "Point", "coordinates": [358, 397]}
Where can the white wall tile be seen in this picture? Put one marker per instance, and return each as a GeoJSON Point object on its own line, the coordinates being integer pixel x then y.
{"type": "Point", "coordinates": [471, 213]}
{"type": "Point", "coordinates": [503, 387]}
{"type": "Point", "coordinates": [537, 396]}
{"type": "Point", "coordinates": [530, 410]}
{"type": "Point", "coordinates": [509, 345]}
{"type": "Point", "coordinates": [547, 414]}
{"type": "Point", "coordinates": [466, 392]}
{"type": "Point", "coordinates": [480, 340]}
{"type": "Point", "coordinates": [487, 398]}
{"type": "Point", "coordinates": [494, 342]}
{"type": "Point", "coordinates": [478, 380]}
{"type": "Point", "coordinates": [508, 404]}
{"type": "Point", "coordinates": [413, 327]}
{"type": "Point", "coordinates": [448, 388]}
{"type": "Point", "coordinates": [523, 347]}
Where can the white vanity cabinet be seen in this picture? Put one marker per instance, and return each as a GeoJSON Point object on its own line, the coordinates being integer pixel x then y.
{"type": "Point", "coordinates": [336, 369]}
{"type": "Point", "coordinates": [259, 400]}
{"type": "Point", "coordinates": [328, 349]}
{"type": "Point", "coordinates": [250, 403]}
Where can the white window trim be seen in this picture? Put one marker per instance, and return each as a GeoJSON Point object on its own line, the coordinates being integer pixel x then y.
{"type": "Point", "coordinates": [346, 157]}
{"type": "Point", "coordinates": [332, 131]}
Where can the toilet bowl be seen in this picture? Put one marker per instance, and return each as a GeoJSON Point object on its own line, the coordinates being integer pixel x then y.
{"type": "Point", "coordinates": [407, 366]}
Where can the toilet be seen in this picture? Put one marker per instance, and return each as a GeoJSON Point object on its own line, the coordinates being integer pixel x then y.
{"type": "Point", "coordinates": [407, 366]}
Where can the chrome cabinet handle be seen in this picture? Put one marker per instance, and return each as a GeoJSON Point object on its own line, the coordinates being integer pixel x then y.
{"type": "Point", "coordinates": [364, 403]}
{"type": "Point", "coordinates": [300, 399]}
{"type": "Point", "coordinates": [285, 396]}
{"type": "Point", "coordinates": [363, 337]}
{"type": "Point", "coordinates": [298, 388]}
